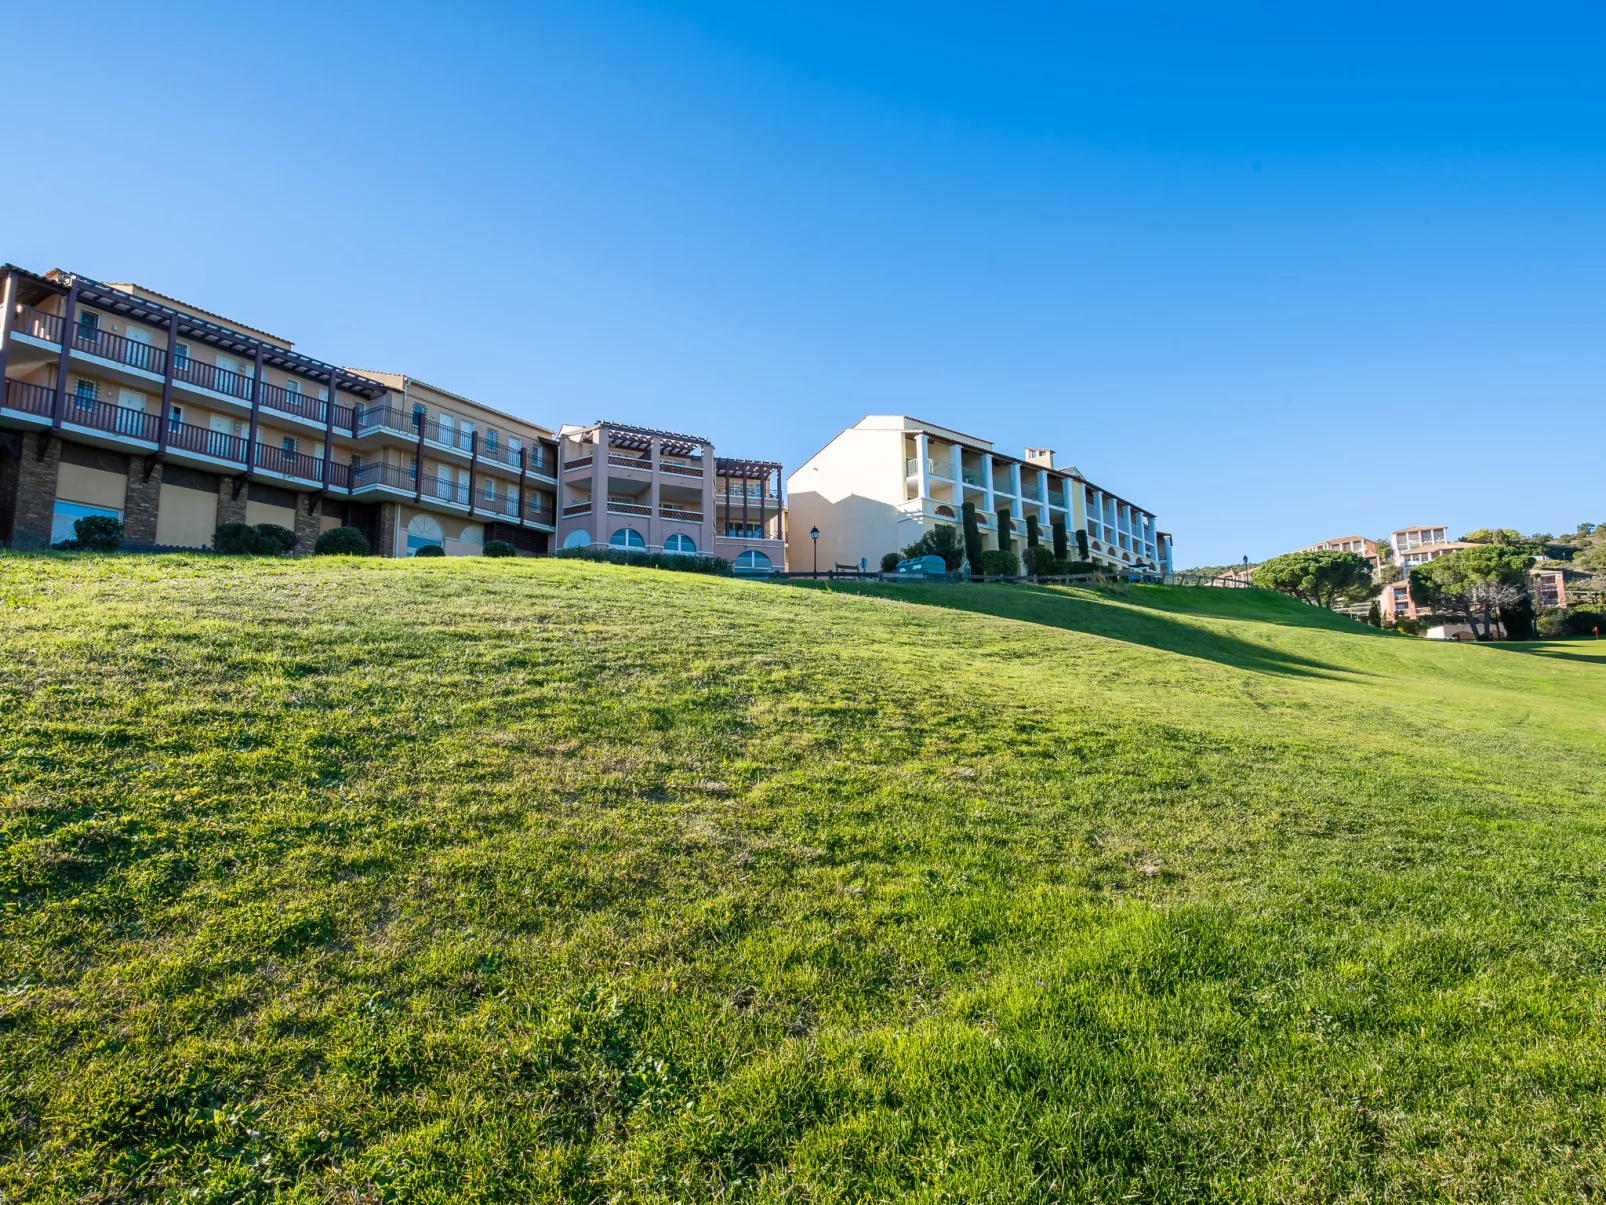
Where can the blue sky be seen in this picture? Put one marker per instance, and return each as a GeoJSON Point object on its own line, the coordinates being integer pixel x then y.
{"type": "Point", "coordinates": [1279, 272]}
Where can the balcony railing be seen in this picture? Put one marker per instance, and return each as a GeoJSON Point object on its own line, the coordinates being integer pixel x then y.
{"type": "Point", "coordinates": [37, 324]}
{"type": "Point", "coordinates": [630, 462]}
{"type": "Point", "coordinates": [936, 468]}
{"type": "Point", "coordinates": [289, 464]}
{"type": "Point", "coordinates": [29, 399]}
{"type": "Point", "coordinates": [577, 462]}
{"type": "Point", "coordinates": [340, 475]}
{"type": "Point", "coordinates": [449, 434]}
{"type": "Point", "coordinates": [575, 509]}
{"type": "Point", "coordinates": [680, 514]}
{"type": "Point", "coordinates": [681, 470]}
{"type": "Point", "coordinates": [974, 477]}
{"type": "Point", "coordinates": [629, 508]}
{"type": "Point", "coordinates": [210, 376]}
{"type": "Point", "coordinates": [186, 437]}
{"type": "Point", "coordinates": [290, 401]}
{"type": "Point", "coordinates": [103, 416]}
{"type": "Point", "coordinates": [442, 490]}
{"type": "Point", "coordinates": [119, 349]}
{"type": "Point", "coordinates": [395, 476]}
{"type": "Point", "coordinates": [385, 418]}
{"type": "Point", "coordinates": [537, 512]}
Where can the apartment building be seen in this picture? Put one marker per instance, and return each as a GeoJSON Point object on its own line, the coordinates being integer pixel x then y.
{"type": "Point", "coordinates": [887, 480]}
{"type": "Point", "coordinates": [122, 401]}
{"type": "Point", "coordinates": [663, 491]}
{"type": "Point", "coordinates": [1359, 545]}
{"type": "Point", "coordinates": [1415, 546]}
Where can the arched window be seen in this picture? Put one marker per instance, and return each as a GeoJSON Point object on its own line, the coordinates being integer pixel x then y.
{"type": "Point", "coordinates": [752, 562]}
{"type": "Point", "coordinates": [627, 537]}
{"type": "Point", "coordinates": [577, 539]}
{"type": "Point", "coordinates": [946, 512]}
{"type": "Point", "coordinates": [423, 531]}
{"type": "Point", "coordinates": [680, 544]}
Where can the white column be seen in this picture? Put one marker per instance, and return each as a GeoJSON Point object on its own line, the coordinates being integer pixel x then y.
{"type": "Point", "coordinates": [956, 466]}
{"type": "Point", "coordinates": [1014, 480]}
{"type": "Point", "coordinates": [1042, 492]}
{"type": "Point", "coordinates": [987, 483]}
{"type": "Point", "coordinates": [655, 521]}
{"type": "Point", "coordinates": [922, 459]}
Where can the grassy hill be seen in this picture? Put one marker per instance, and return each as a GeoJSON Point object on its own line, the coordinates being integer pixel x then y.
{"type": "Point", "coordinates": [529, 880]}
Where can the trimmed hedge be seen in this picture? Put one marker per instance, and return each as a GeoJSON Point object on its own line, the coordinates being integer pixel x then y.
{"type": "Point", "coordinates": [431, 550]}
{"type": "Point", "coordinates": [342, 541]}
{"type": "Point", "coordinates": [640, 559]}
{"type": "Point", "coordinates": [241, 539]}
{"type": "Point", "coordinates": [499, 548]}
{"type": "Point", "coordinates": [98, 533]}
{"type": "Point", "coordinates": [999, 562]}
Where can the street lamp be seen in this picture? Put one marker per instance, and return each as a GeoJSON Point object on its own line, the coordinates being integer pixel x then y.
{"type": "Point", "coordinates": [814, 535]}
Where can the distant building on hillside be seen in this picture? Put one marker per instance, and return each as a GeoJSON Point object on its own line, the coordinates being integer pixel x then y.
{"type": "Point", "coordinates": [887, 480]}
{"type": "Point", "coordinates": [1359, 545]}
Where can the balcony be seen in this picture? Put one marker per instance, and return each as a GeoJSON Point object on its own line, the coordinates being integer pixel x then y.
{"type": "Point", "coordinates": [577, 462]}
{"type": "Point", "coordinates": [369, 419]}
{"type": "Point", "coordinates": [576, 510]}
{"type": "Point", "coordinates": [37, 324]}
{"type": "Point", "coordinates": [974, 477]}
{"type": "Point", "coordinates": [620, 461]}
{"type": "Point", "coordinates": [29, 399]}
{"type": "Point", "coordinates": [629, 508]}
{"type": "Point", "coordinates": [678, 469]}
{"type": "Point", "coordinates": [679, 514]}
{"type": "Point", "coordinates": [289, 401]}
{"type": "Point", "coordinates": [289, 464]}
{"type": "Point", "coordinates": [387, 476]}
{"type": "Point", "coordinates": [444, 431]}
{"type": "Point", "coordinates": [103, 416]}
{"type": "Point", "coordinates": [202, 441]}
{"type": "Point", "coordinates": [211, 377]}
{"type": "Point", "coordinates": [130, 353]}
{"type": "Point", "coordinates": [934, 468]}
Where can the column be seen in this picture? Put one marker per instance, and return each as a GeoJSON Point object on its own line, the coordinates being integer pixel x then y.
{"type": "Point", "coordinates": [1043, 497]}
{"type": "Point", "coordinates": [58, 405]}
{"type": "Point", "coordinates": [1014, 483]}
{"type": "Point", "coordinates": [956, 469]}
{"type": "Point", "coordinates": [418, 455]}
{"type": "Point", "coordinates": [329, 431]}
{"type": "Point", "coordinates": [706, 543]}
{"type": "Point", "coordinates": [8, 307]}
{"type": "Point", "coordinates": [524, 468]}
{"type": "Point", "coordinates": [167, 386]}
{"type": "Point", "coordinates": [654, 494]}
{"type": "Point", "coordinates": [922, 461]}
{"type": "Point", "coordinates": [987, 501]}
{"type": "Point", "coordinates": [473, 467]}
{"type": "Point", "coordinates": [256, 414]}
{"type": "Point", "coordinates": [600, 529]}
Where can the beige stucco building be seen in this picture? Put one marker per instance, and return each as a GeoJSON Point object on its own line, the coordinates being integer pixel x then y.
{"type": "Point", "coordinates": [885, 481]}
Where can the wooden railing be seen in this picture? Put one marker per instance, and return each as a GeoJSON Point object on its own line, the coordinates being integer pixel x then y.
{"type": "Point", "coordinates": [210, 376]}
{"type": "Point", "coordinates": [104, 416]}
{"type": "Point", "coordinates": [289, 464]}
{"type": "Point", "coordinates": [290, 401]}
{"type": "Point", "coordinates": [203, 441]}
{"type": "Point", "coordinates": [119, 349]}
{"type": "Point", "coordinates": [26, 398]}
{"type": "Point", "coordinates": [37, 324]}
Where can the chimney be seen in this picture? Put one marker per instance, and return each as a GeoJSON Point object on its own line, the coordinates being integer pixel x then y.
{"type": "Point", "coordinates": [1043, 458]}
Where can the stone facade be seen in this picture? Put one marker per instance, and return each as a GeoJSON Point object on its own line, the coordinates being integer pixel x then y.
{"type": "Point", "coordinates": [36, 492]}
{"type": "Point", "coordinates": [142, 501]}
{"type": "Point", "coordinates": [230, 509]}
{"type": "Point", "coordinates": [389, 512]}
{"type": "Point", "coordinates": [307, 525]}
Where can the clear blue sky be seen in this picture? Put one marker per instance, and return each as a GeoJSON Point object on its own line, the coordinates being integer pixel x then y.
{"type": "Point", "coordinates": [1279, 272]}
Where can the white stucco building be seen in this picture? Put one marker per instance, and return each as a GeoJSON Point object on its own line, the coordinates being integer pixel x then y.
{"type": "Point", "coordinates": [889, 478]}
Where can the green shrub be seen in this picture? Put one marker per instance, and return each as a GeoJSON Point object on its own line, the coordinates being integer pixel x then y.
{"type": "Point", "coordinates": [274, 540]}
{"type": "Point", "coordinates": [1556, 624]}
{"type": "Point", "coordinates": [1006, 531]}
{"type": "Point", "coordinates": [1032, 539]}
{"type": "Point", "coordinates": [642, 559]}
{"type": "Point", "coordinates": [431, 550]}
{"type": "Point", "coordinates": [1083, 552]}
{"type": "Point", "coordinates": [98, 533]}
{"type": "Point", "coordinates": [235, 539]}
{"type": "Point", "coordinates": [944, 540]}
{"type": "Point", "coordinates": [342, 541]}
{"type": "Point", "coordinates": [500, 548]}
{"type": "Point", "coordinates": [889, 562]}
{"type": "Point", "coordinates": [1000, 562]}
{"type": "Point", "coordinates": [1062, 547]}
{"type": "Point", "coordinates": [1374, 615]}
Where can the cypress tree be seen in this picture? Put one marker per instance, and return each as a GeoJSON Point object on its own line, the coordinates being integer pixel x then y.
{"type": "Point", "coordinates": [972, 536]}
{"type": "Point", "coordinates": [1031, 531]}
{"type": "Point", "coordinates": [1081, 545]}
{"type": "Point", "coordinates": [1062, 547]}
{"type": "Point", "coordinates": [1006, 541]}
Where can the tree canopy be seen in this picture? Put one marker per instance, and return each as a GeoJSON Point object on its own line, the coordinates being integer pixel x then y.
{"type": "Point", "coordinates": [1323, 578]}
{"type": "Point", "coordinates": [944, 540]}
{"type": "Point", "coordinates": [1474, 583]}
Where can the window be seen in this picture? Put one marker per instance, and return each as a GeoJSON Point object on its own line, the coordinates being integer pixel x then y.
{"type": "Point", "coordinates": [681, 545]}
{"type": "Point", "coordinates": [88, 326]}
{"type": "Point", "coordinates": [422, 532]}
{"type": "Point", "coordinates": [293, 387]}
{"type": "Point", "coordinates": [86, 391]}
{"type": "Point", "coordinates": [490, 489]}
{"type": "Point", "coordinates": [514, 447]}
{"type": "Point", "coordinates": [752, 562]}
{"type": "Point", "coordinates": [68, 513]}
{"type": "Point", "coordinates": [490, 440]}
{"type": "Point", "coordinates": [418, 416]}
{"type": "Point", "coordinates": [175, 418]}
{"type": "Point", "coordinates": [290, 445]}
{"type": "Point", "coordinates": [181, 356]}
{"type": "Point", "coordinates": [627, 537]}
{"type": "Point", "coordinates": [577, 539]}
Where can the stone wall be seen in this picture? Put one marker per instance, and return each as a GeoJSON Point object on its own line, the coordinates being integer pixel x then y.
{"type": "Point", "coordinates": [388, 513]}
{"type": "Point", "coordinates": [307, 525]}
{"type": "Point", "coordinates": [36, 493]}
{"type": "Point", "coordinates": [229, 508]}
{"type": "Point", "coordinates": [143, 500]}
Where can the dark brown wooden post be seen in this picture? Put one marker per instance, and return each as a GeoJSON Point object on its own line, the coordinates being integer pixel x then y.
{"type": "Point", "coordinates": [524, 464]}
{"type": "Point", "coordinates": [727, 501]}
{"type": "Point", "coordinates": [8, 306]}
{"type": "Point", "coordinates": [166, 417]}
{"type": "Point", "coordinates": [58, 404]}
{"type": "Point", "coordinates": [763, 484]}
{"type": "Point", "coordinates": [256, 415]}
{"type": "Point", "coordinates": [329, 430]}
{"type": "Point", "coordinates": [418, 472]}
{"type": "Point", "coordinates": [473, 467]}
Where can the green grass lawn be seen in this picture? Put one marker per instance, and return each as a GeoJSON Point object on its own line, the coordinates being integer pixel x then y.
{"type": "Point", "coordinates": [534, 880]}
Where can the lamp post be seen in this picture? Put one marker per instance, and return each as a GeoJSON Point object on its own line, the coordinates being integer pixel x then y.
{"type": "Point", "coordinates": [814, 537]}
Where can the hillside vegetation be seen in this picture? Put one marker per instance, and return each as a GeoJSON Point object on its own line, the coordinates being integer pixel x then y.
{"type": "Point", "coordinates": [343, 880]}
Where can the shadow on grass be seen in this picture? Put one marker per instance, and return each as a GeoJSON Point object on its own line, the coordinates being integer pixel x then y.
{"type": "Point", "coordinates": [1139, 622]}
{"type": "Point", "coordinates": [1548, 649]}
